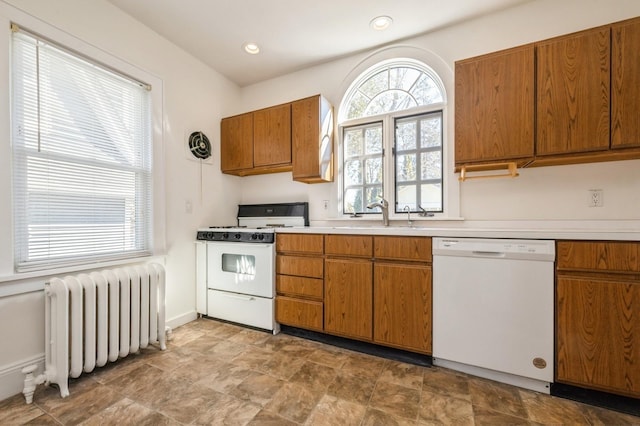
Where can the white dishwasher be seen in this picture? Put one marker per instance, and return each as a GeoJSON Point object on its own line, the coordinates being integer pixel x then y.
{"type": "Point", "coordinates": [493, 304]}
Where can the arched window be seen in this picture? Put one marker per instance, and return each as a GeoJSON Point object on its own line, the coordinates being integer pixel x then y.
{"type": "Point", "coordinates": [392, 86]}
{"type": "Point", "coordinates": [407, 96]}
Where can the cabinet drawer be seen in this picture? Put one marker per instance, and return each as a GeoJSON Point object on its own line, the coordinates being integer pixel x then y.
{"type": "Point", "coordinates": [300, 286]}
{"type": "Point", "coordinates": [349, 245]}
{"type": "Point", "coordinates": [301, 266]}
{"type": "Point", "coordinates": [299, 313]}
{"type": "Point", "coordinates": [403, 248]}
{"type": "Point", "coordinates": [299, 243]}
{"type": "Point", "coordinates": [598, 256]}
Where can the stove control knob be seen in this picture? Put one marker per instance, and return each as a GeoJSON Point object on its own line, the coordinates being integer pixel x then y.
{"type": "Point", "coordinates": [225, 236]}
{"type": "Point", "coordinates": [254, 236]}
{"type": "Point", "coordinates": [238, 236]}
{"type": "Point", "coordinates": [261, 237]}
{"type": "Point", "coordinates": [209, 236]}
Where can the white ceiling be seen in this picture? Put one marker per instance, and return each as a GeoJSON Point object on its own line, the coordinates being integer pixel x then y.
{"type": "Point", "coordinates": [293, 34]}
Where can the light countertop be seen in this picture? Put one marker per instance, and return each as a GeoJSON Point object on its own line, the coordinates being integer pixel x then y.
{"type": "Point", "coordinates": [625, 230]}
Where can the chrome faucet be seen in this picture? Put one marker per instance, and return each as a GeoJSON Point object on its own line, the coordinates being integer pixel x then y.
{"type": "Point", "coordinates": [384, 205]}
{"type": "Point", "coordinates": [408, 210]}
{"type": "Point", "coordinates": [424, 213]}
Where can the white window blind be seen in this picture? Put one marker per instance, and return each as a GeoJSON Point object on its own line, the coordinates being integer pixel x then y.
{"type": "Point", "coordinates": [82, 159]}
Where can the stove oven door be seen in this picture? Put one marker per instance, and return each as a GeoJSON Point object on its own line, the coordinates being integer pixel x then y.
{"type": "Point", "coordinates": [243, 268]}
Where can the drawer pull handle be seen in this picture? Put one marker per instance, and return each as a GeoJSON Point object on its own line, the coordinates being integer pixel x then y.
{"type": "Point", "coordinates": [245, 298]}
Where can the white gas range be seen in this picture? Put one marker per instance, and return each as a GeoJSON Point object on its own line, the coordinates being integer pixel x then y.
{"type": "Point", "coordinates": [235, 265]}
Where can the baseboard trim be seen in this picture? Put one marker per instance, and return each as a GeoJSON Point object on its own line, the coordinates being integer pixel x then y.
{"type": "Point", "coordinates": [623, 404]}
{"type": "Point", "coordinates": [11, 377]}
{"type": "Point", "coordinates": [182, 319]}
{"type": "Point", "coordinates": [358, 346]}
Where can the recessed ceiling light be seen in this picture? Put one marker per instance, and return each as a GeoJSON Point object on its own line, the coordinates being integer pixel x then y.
{"type": "Point", "coordinates": [381, 23]}
{"type": "Point", "coordinates": [251, 48]}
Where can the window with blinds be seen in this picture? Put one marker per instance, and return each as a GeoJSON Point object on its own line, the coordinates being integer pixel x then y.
{"type": "Point", "coordinates": [82, 159]}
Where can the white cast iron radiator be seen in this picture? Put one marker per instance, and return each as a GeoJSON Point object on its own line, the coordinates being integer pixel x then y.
{"type": "Point", "coordinates": [98, 317]}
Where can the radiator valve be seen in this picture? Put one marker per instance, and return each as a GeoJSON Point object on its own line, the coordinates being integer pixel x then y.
{"type": "Point", "coordinates": [31, 381]}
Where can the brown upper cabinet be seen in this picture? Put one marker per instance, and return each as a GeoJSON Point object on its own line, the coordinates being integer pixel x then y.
{"type": "Point", "coordinates": [296, 136]}
{"type": "Point", "coordinates": [582, 107]}
{"type": "Point", "coordinates": [573, 93]}
{"type": "Point", "coordinates": [272, 136]}
{"type": "Point", "coordinates": [494, 107]}
{"type": "Point", "coordinates": [256, 142]}
{"type": "Point", "coordinates": [312, 140]}
{"type": "Point", "coordinates": [236, 143]}
{"type": "Point", "coordinates": [625, 84]}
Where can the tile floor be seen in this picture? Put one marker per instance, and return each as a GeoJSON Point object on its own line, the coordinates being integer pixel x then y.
{"type": "Point", "coordinates": [222, 374]}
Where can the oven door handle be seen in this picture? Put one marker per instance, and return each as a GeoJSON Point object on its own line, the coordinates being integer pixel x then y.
{"type": "Point", "coordinates": [245, 298]}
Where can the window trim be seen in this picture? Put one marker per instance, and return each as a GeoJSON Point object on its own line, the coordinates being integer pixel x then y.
{"type": "Point", "coordinates": [451, 185]}
{"type": "Point", "coordinates": [388, 159]}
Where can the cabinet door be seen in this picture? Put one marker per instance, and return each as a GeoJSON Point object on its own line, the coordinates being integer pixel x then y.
{"type": "Point", "coordinates": [299, 313]}
{"type": "Point", "coordinates": [402, 306]}
{"type": "Point", "coordinates": [625, 80]}
{"type": "Point", "coordinates": [598, 334]}
{"type": "Point", "coordinates": [236, 142]}
{"type": "Point", "coordinates": [312, 140]}
{"type": "Point", "coordinates": [272, 136]}
{"type": "Point", "coordinates": [348, 298]}
{"type": "Point", "coordinates": [494, 106]}
{"type": "Point", "coordinates": [573, 93]}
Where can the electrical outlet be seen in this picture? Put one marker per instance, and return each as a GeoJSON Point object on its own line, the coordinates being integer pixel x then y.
{"type": "Point", "coordinates": [596, 198]}
{"type": "Point", "coordinates": [188, 207]}
{"type": "Point", "coordinates": [325, 204]}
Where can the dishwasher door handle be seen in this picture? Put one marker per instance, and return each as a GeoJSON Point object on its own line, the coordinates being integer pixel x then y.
{"type": "Point", "coordinates": [480, 253]}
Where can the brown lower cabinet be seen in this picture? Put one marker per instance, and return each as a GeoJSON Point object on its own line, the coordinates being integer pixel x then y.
{"type": "Point", "coordinates": [598, 316]}
{"type": "Point", "coordinates": [402, 306]}
{"type": "Point", "coordinates": [371, 288]}
{"type": "Point", "coordinates": [298, 312]}
{"type": "Point", "coordinates": [299, 280]}
{"type": "Point", "coordinates": [348, 297]}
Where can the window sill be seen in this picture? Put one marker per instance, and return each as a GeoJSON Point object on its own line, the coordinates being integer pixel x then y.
{"type": "Point", "coordinates": [25, 282]}
{"type": "Point", "coordinates": [376, 220]}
